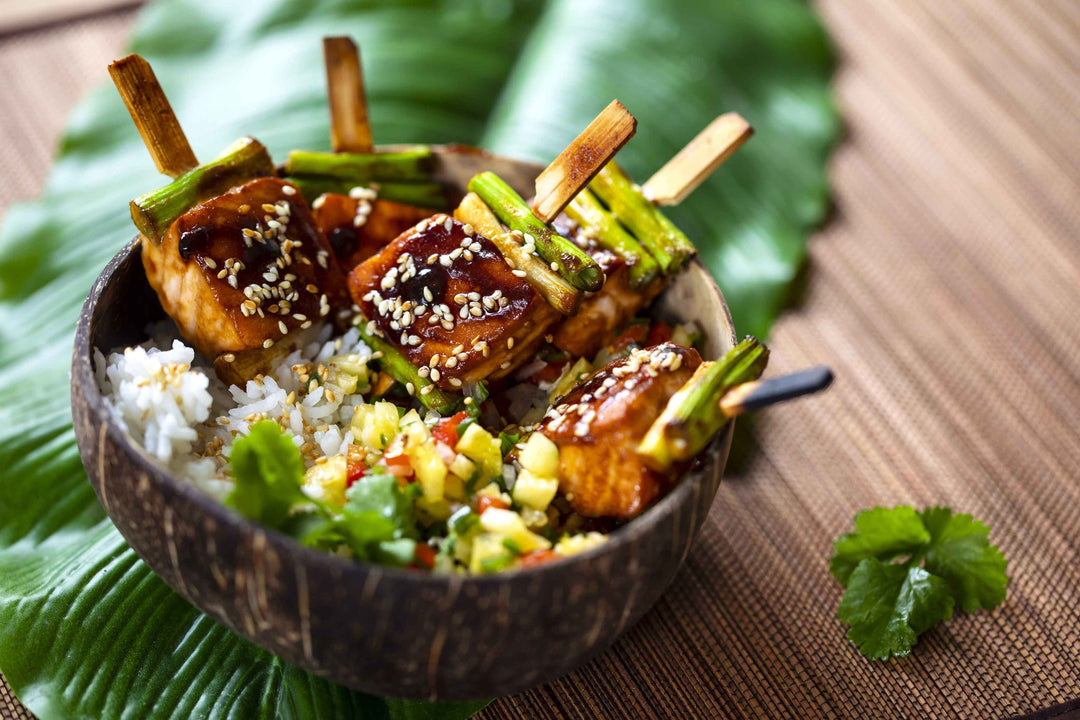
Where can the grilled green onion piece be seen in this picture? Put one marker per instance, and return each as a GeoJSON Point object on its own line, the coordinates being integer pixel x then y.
{"type": "Point", "coordinates": [397, 366]}
{"type": "Point", "coordinates": [412, 163]}
{"type": "Point", "coordinates": [560, 294]}
{"type": "Point", "coordinates": [420, 194]}
{"type": "Point", "coordinates": [155, 211]}
{"type": "Point", "coordinates": [667, 243]}
{"type": "Point", "coordinates": [602, 226]}
{"type": "Point", "coordinates": [569, 260]}
{"type": "Point", "coordinates": [693, 415]}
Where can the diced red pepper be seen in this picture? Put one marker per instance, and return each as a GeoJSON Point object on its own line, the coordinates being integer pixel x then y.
{"type": "Point", "coordinates": [445, 431]}
{"type": "Point", "coordinates": [537, 557]}
{"type": "Point", "coordinates": [633, 335]}
{"type": "Point", "coordinates": [425, 555]}
{"type": "Point", "coordinates": [356, 468]}
{"type": "Point", "coordinates": [659, 332]}
{"type": "Point", "coordinates": [486, 501]}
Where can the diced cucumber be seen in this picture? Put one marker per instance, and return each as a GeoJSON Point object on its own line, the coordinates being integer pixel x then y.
{"type": "Point", "coordinates": [479, 446]}
{"type": "Point", "coordinates": [533, 491]}
{"type": "Point", "coordinates": [569, 379]}
{"type": "Point", "coordinates": [540, 456]}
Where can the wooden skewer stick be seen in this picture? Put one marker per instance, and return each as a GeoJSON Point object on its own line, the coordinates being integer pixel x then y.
{"type": "Point", "coordinates": [153, 116]}
{"type": "Point", "coordinates": [695, 162]}
{"type": "Point", "coordinates": [350, 129]}
{"type": "Point", "coordinates": [582, 159]}
{"type": "Point", "coordinates": [762, 393]}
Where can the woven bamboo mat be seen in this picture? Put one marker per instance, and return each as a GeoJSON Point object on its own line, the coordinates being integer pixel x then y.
{"type": "Point", "coordinates": [945, 293]}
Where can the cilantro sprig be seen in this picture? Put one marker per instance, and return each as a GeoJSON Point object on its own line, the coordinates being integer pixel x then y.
{"type": "Point", "coordinates": [377, 522]}
{"type": "Point", "coordinates": [905, 571]}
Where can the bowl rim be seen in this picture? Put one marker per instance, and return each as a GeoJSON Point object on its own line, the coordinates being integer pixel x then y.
{"type": "Point", "coordinates": [83, 374]}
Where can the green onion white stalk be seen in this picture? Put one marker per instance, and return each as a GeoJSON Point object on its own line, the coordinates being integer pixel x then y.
{"type": "Point", "coordinates": [694, 415]}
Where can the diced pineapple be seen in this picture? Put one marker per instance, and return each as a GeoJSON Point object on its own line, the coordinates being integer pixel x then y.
{"type": "Point", "coordinates": [454, 488]}
{"type": "Point", "coordinates": [487, 547]}
{"type": "Point", "coordinates": [327, 480]}
{"type": "Point", "coordinates": [432, 512]}
{"type": "Point", "coordinates": [534, 519]}
{"type": "Point", "coordinates": [463, 467]}
{"type": "Point", "coordinates": [510, 525]}
{"type": "Point", "coordinates": [575, 544]}
{"type": "Point", "coordinates": [349, 372]}
{"type": "Point", "coordinates": [429, 468]}
{"type": "Point", "coordinates": [478, 445]}
{"type": "Point", "coordinates": [533, 491]}
{"type": "Point", "coordinates": [492, 490]}
{"type": "Point", "coordinates": [540, 456]}
{"type": "Point", "coordinates": [375, 425]}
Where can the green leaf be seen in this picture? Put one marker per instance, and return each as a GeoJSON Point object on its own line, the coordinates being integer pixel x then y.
{"type": "Point", "coordinates": [960, 552]}
{"type": "Point", "coordinates": [882, 533]}
{"type": "Point", "coordinates": [889, 606]}
{"type": "Point", "coordinates": [88, 630]}
{"type": "Point", "coordinates": [268, 471]}
{"type": "Point", "coordinates": [379, 493]}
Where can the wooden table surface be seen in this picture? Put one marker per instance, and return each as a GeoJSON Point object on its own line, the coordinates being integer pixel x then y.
{"type": "Point", "coordinates": [945, 294]}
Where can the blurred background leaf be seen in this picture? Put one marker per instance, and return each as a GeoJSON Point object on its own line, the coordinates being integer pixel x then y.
{"type": "Point", "coordinates": [88, 630]}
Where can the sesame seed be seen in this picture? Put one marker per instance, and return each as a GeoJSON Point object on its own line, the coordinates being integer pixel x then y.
{"type": "Point", "coordinates": [455, 382]}
{"type": "Point", "coordinates": [228, 357]}
{"type": "Point", "coordinates": [221, 275]}
{"type": "Point", "coordinates": [281, 326]}
{"type": "Point", "coordinates": [410, 388]}
{"type": "Point", "coordinates": [510, 343]}
{"type": "Point", "coordinates": [426, 389]}
{"type": "Point", "coordinates": [424, 371]}
{"type": "Point", "coordinates": [305, 325]}
{"type": "Point", "coordinates": [435, 375]}
{"type": "Point", "coordinates": [451, 362]}
{"type": "Point", "coordinates": [468, 401]}
{"type": "Point", "coordinates": [268, 343]}
{"type": "Point", "coordinates": [312, 288]}
{"type": "Point", "coordinates": [288, 190]}
{"type": "Point", "coordinates": [519, 273]}
{"type": "Point", "coordinates": [448, 223]}
{"type": "Point", "coordinates": [554, 266]}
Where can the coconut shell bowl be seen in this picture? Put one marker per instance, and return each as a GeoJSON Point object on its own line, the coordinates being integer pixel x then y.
{"type": "Point", "coordinates": [380, 630]}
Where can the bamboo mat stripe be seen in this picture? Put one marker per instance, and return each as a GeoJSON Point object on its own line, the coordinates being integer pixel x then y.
{"type": "Point", "coordinates": [945, 294]}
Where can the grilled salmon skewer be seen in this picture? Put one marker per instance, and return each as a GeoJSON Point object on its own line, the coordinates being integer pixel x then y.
{"type": "Point", "coordinates": [619, 225]}
{"type": "Point", "coordinates": [450, 305]}
{"type": "Point", "coordinates": [234, 255]}
{"type": "Point", "coordinates": [348, 200]}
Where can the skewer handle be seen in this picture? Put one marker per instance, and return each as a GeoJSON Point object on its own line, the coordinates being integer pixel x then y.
{"type": "Point", "coordinates": [582, 159]}
{"type": "Point", "coordinates": [153, 115]}
{"type": "Point", "coordinates": [762, 393]}
{"type": "Point", "coordinates": [350, 128]}
{"type": "Point", "coordinates": [697, 160]}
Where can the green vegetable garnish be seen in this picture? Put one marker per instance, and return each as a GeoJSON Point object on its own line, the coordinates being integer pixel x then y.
{"type": "Point", "coordinates": [906, 570]}
{"type": "Point", "coordinates": [377, 522]}
{"type": "Point", "coordinates": [267, 471]}
{"type": "Point", "coordinates": [508, 441]}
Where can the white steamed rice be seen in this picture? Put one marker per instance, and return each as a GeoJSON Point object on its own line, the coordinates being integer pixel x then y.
{"type": "Point", "coordinates": [173, 404]}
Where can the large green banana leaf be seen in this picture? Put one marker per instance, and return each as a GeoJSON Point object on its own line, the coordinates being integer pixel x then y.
{"type": "Point", "coordinates": [87, 630]}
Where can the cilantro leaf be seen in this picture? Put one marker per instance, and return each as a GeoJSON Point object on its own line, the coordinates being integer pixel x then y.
{"type": "Point", "coordinates": [905, 570]}
{"type": "Point", "coordinates": [882, 533]}
{"type": "Point", "coordinates": [960, 553]}
{"type": "Point", "coordinates": [379, 493]}
{"type": "Point", "coordinates": [889, 605]}
{"type": "Point", "coordinates": [267, 473]}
